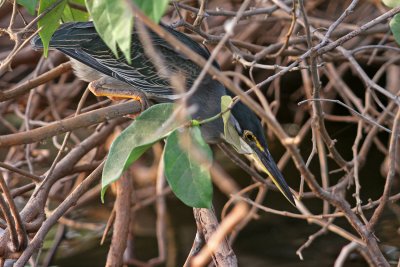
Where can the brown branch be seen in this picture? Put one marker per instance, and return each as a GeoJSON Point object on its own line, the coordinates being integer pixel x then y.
{"type": "Point", "coordinates": [122, 220]}
{"type": "Point", "coordinates": [6, 211]}
{"type": "Point", "coordinates": [32, 83]}
{"type": "Point", "coordinates": [217, 245]}
{"type": "Point", "coordinates": [393, 151]}
{"type": "Point", "coordinates": [247, 13]}
{"type": "Point", "coordinates": [70, 124]}
{"type": "Point", "coordinates": [19, 226]}
{"type": "Point", "coordinates": [58, 212]}
{"type": "Point", "coordinates": [29, 175]}
{"type": "Point", "coordinates": [321, 49]}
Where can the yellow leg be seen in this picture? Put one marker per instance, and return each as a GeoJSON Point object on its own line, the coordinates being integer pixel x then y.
{"type": "Point", "coordinates": [116, 90]}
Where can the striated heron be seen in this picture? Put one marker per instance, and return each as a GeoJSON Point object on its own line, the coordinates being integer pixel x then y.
{"type": "Point", "coordinates": [115, 78]}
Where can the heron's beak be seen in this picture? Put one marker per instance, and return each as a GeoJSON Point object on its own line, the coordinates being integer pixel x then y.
{"type": "Point", "coordinates": [268, 165]}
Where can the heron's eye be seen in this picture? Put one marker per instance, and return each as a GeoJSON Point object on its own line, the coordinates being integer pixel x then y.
{"type": "Point", "coordinates": [249, 136]}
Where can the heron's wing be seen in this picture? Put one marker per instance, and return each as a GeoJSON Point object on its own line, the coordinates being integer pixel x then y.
{"type": "Point", "coordinates": [81, 42]}
{"type": "Point", "coordinates": [86, 59]}
{"type": "Point", "coordinates": [141, 73]}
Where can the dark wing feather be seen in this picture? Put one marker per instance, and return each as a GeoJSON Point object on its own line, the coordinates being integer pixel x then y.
{"type": "Point", "coordinates": [85, 58]}
{"type": "Point", "coordinates": [81, 41]}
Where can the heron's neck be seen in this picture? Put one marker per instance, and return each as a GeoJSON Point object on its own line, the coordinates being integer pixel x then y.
{"type": "Point", "coordinates": [207, 103]}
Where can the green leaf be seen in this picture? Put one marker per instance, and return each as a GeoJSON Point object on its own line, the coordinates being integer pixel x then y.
{"type": "Point", "coordinates": [391, 3]}
{"type": "Point", "coordinates": [154, 9]}
{"type": "Point", "coordinates": [30, 5]}
{"type": "Point", "coordinates": [148, 128]}
{"type": "Point", "coordinates": [395, 27]}
{"type": "Point", "coordinates": [189, 179]}
{"type": "Point", "coordinates": [50, 22]}
{"type": "Point", "coordinates": [230, 133]}
{"type": "Point", "coordinates": [113, 21]}
{"type": "Point", "coordinates": [72, 14]}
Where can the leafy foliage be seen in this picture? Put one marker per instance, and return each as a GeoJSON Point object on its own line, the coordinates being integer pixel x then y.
{"type": "Point", "coordinates": [49, 22]}
{"type": "Point", "coordinates": [113, 21]}
{"type": "Point", "coordinates": [391, 3]}
{"type": "Point", "coordinates": [188, 177]}
{"type": "Point", "coordinates": [72, 14]}
{"type": "Point", "coordinates": [153, 9]}
{"type": "Point", "coordinates": [395, 21]}
{"type": "Point", "coordinates": [147, 129]}
{"type": "Point", "coordinates": [395, 27]}
{"type": "Point", "coordinates": [30, 5]}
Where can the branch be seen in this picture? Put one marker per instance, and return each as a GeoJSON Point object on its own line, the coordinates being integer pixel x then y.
{"type": "Point", "coordinates": [67, 125]}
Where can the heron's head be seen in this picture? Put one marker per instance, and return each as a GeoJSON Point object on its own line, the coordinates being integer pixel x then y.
{"type": "Point", "coordinates": [251, 132]}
